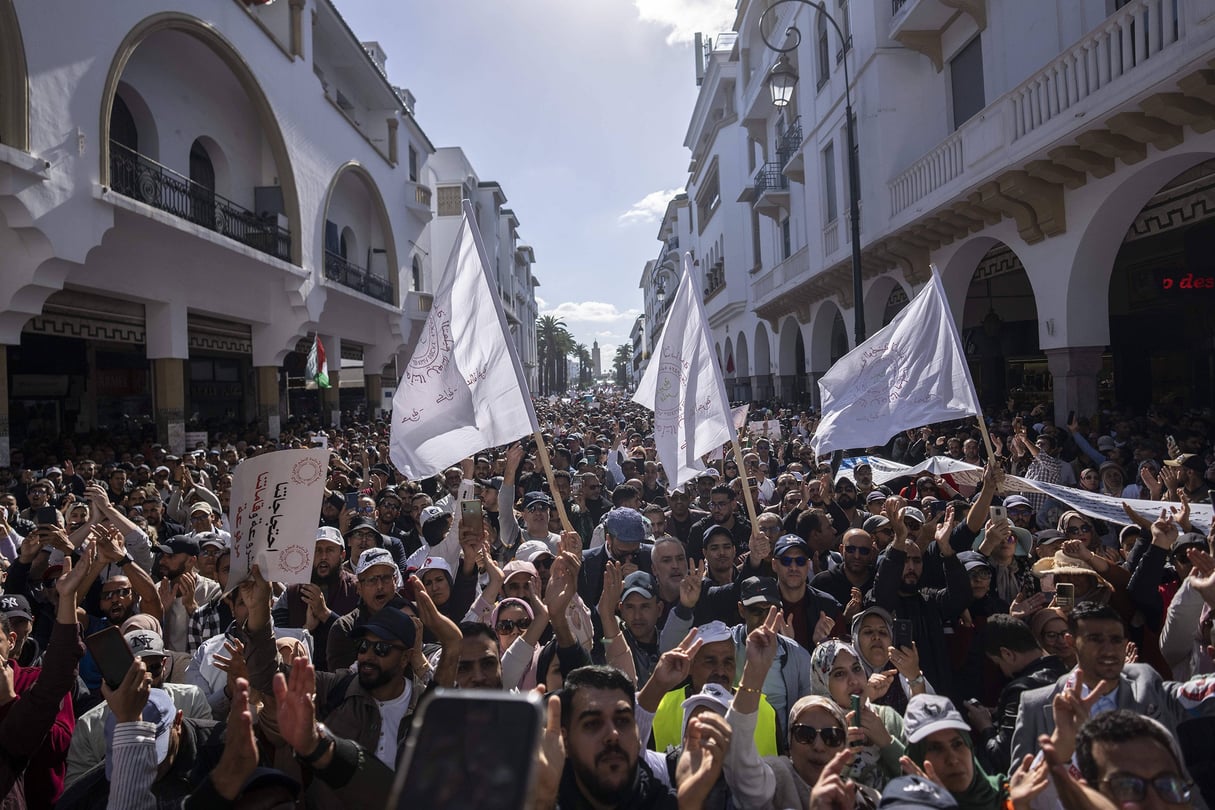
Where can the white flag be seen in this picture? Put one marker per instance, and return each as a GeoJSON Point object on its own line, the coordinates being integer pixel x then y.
{"type": "Point", "coordinates": [464, 389]}
{"type": "Point", "coordinates": [911, 373]}
{"type": "Point", "coordinates": [683, 386]}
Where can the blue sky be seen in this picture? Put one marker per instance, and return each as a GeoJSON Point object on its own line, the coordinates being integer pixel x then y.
{"type": "Point", "coordinates": [577, 107]}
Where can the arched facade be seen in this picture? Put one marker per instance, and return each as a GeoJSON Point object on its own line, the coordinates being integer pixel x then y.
{"type": "Point", "coordinates": [761, 383]}
{"type": "Point", "coordinates": [353, 203]}
{"type": "Point", "coordinates": [742, 369]}
{"type": "Point", "coordinates": [885, 297]}
{"type": "Point", "coordinates": [794, 383]}
{"type": "Point", "coordinates": [207, 34]}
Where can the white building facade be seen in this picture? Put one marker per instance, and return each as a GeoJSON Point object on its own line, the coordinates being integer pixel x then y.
{"type": "Point", "coordinates": [1053, 159]}
{"type": "Point", "coordinates": [190, 192]}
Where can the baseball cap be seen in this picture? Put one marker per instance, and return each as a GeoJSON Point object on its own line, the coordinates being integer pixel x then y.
{"type": "Point", "coordinates": [713, 696]}
{"type": "Point", "coordinates": [972, 560]}
{"type": "Point", "coordinates": [1048, 536]}
{"type": "Point", "coordinates": [876, 522]}
{"type": "Point", "coordinates": [626, 525]}
{"type": "Point", "coordinates": [908, 792]}
{"type": "Point", "coordinates": [531, 550]}
{"type": "Point", "coordinates": [202, 506]}
{"type": "Point", "coordinates": [875, 495]}
{"type": "Point", "coordinates": [537, 497]}
{"type": "Point", "coordinates": [15, 606]}
{"type": "Point", "coordinates": [1190, 539]}
{"type": "Point", "coordinates": [182, 543]}
{"type": "Point", "coordinates": [159, 711]}
{"type": "Point", "coordinates": [375, 556]}
{"type": "Point", "coordinates": [429, 514]}
{"type": "Point", "coordinates": [518, 567]}
{"type": "Point", "coordinates": [362, 522]}
{"type": "Point", "coordinates": [713, 632]}
{"type": "Point", "coordinates": [760, 591]}
{"type": "Point", "coordinates": [494, 483]}
{"type": "Point", "coordinates": [790, 541]}
{"type": "Point", "coordinates": [1189, 461]}
{"type": "Point", "coordinates": [436, 563]}
{"type": "Point", "coordinates": [639, 582]}
{"type": "Point", "coordinates": [145, 643]}
{"type": "Point", "coordinates": [389, 623]}
{"type": "Point", "coordinates": [710, 473]}
{"type": "Point", "coordinates": [210, 539]}
{"type": "Point", "coordinates": [1015, 500]}
{"type": "Point", "coordinates": [914, 514]}
{"type": "Point", "coordinates": [928, 714]}
{"type": "Point", "coordinates": [329, 534]}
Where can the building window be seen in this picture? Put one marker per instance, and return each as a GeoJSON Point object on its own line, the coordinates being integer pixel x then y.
{"type": "Point", "coordinates": [122, 125]}
{"type": "Point", "coordinates": [830, 208]}
{"type": "Point", "coordinates": [449, 201]}
{"type": "Point", "coordinates": [413, 165]}
{"type": "Point", "coordinates": [708, 199]}
{"type": "Point", "coordinates": [824, 50]}
{"type": "Point", "coordinates": [966, 80]}
{"type": "Point", "coordinates": [415, 275]}
{"type": "Point", "coordinates": [786, 240]}
{"type": "Point", "coordinates": [845, 21]}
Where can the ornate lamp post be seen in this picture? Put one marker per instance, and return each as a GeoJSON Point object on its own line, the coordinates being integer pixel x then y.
{"type": "Point", "coordinates": [782, 80]}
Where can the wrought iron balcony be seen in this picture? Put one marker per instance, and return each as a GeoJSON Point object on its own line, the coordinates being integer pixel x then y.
{"type": "Point", "coordinates": [790, 142]}
{"type": "Point", "coordinates": [356, 278]}
{"type": "Point", "coordinates": [769, 177]}
{"type": "Point", "coordinates": [141, 178]}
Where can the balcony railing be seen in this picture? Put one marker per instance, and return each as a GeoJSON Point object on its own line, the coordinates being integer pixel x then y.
{"type": "Point", "coordinates": [421, 194]}
{"type": "Point", "coordinates": [897, 6]}
{"type": "Point", "coordinates": [356, 278]}
{"type": "Point", "coordinates": [788, 144]}
{"type": "Point", "coordinates": [141, 178]}
{"type": "Point", "coordinates": [769, 177]}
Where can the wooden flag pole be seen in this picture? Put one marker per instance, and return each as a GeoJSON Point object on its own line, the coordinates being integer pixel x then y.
{"type": "Point", "coordinates": [991, 453]}
{"type": "Point", "coordinates": [542, 451]}
{"type": "Point", "coordinates": [746, 488]}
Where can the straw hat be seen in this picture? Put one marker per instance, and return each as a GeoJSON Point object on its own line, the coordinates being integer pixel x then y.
{"type": "Point", "coordinates": [1063, 563]}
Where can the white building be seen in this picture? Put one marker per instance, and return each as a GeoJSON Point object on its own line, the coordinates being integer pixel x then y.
{"type": "Point", "coordinates": [1053, 158]}
{"type": "Point", "coordinates": [190, 191]}
{"type": "Point", "coordinates": [454, 179]}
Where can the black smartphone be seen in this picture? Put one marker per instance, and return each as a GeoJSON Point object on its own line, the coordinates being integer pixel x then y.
{"type": "Point", "coordinates": [1071, 417]}
{"type": "Point", "coordinates": [48, 516]}
{"type": "Point", "coordinates": [902, 633]}
{"type": "Point", "coordinates": [352, 500]}
{"type": "Point", "coordinates": [458, 732]}
{"type": "Point", "coordinates": [112, 654]}
{"type": "Point", "coordinates": [1065, 595]}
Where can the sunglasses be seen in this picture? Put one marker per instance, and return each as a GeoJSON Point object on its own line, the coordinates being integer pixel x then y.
{"type": "Point", "coordinates": [382, 649]}
{"type": "Point", "coordinates": [626, 556]}
{"type": "Point", "coordinates": [1084, 528]}
{"type": "Point", "coordinates": [1125, 787]}
{"type": "Point", "coordinates": [547, 562]}
{"type": "Point", "coordinates": [864, 551]}
{"type": "Point", "coordinates": [833, 737]}
{"type": "Point", "coordinates": [800, 562]}
{"type": "Point", "coordinates": [505, 626]}
{"type": "Point", "coordinates": [117, 593]}
{"type": "Point", "coordinates": [537, 507]}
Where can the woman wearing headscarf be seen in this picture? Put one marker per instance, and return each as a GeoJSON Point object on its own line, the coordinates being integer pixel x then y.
{"type": "Point", "coordinates": [939, 742]}
{"type": "Point", "coordinates": [894, 675]}
{"type": "Point", "coordinates": [836, 672]}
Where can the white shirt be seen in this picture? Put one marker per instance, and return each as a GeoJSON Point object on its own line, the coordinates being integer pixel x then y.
{"type": "Point", "coordinates": [392, 712]}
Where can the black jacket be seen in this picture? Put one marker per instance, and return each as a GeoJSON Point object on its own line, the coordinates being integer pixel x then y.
{"type": "Point", "coordinates": [594, 563]}
{"type": "Point", "coordinates": [995, 745]}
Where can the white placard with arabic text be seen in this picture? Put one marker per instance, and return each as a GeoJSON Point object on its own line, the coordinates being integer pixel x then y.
{"type": "Point", "coordinates": [276, 499]}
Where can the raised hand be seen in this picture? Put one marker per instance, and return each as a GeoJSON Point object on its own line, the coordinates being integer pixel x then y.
{"type": "Point", "coordinates": [1164, 531]}
{"type": "Point", "coordinates": [1202, 574]}
{"type": "Point", "coordinates": [832, 791]}
{"type": "Point", "coordinates": [613, 587]}
{"type": "Point", "coordinates": [296, 713]}
{"type": "Point", "coordinates": [1071, 710]}
{"type": "Point", "coordinates": [675, 665]}
{"type": "Point", "coordinates": [707, 741]}
{"type": "Point", "coordinates": [1027, 782]}
{"type": "Point", "coordinates": [945, 531]}
{"type": "Point", "coordinates": [763, 643]}
{"type": "Point", "coordinates": [240, 756]}
{"type": "Point", "coordinates": [690, 586]}
{"type": "Point", "coordinates": [927, 772]}
{"type": "Point", "coordinates": [823, 627]}
{"type": "Point", "coordinates": [550, 754]}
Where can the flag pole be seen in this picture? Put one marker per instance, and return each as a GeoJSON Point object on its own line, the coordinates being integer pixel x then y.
{"type": "Point", "coordinates": [542, 451]}
{"type": "Point", "coordinates": [991, 453]}
{"type": "Point", "coordinates": [746, 487]}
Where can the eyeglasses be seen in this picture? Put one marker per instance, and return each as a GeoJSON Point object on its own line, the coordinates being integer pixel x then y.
{"type": "Point", "coordinates": [912, 526]}
{"type": "Point", "coordinates": [771, 529]}
{"type": "Point", "coordinates": [395, 507]}
{"type": "Point", "coordinates": [833, 737]}
{"type": "Point", "coordinates": [1053, 636]}
{"type": "Point", "coordinates": [378, 579]}
{"type": "Point", "coordinates": [800, 562]}
{"type": "Point", "coordinates": [1083, 528]}
{"type": "Point", "coordinates": [714, 505]}
{"type": "Point", "coordinates": [1125, 787]}
{"type": "Point", "coordinates": [625, 556]}
{"type": "Point", "coordinates": [382, 649]}
{"type": "Point", "coordinates": [117, 593]}
{"type": "Point", "coordinates": [505, 626]}
{"type": "Point", "coordinates": [546, 562]}
{"type": "Point", "coordinates": [864, 551]}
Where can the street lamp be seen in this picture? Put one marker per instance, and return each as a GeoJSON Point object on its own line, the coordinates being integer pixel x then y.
{"type": "Point", "coordinates": [782, 80]}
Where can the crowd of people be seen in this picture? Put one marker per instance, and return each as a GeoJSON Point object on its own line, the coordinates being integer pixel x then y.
{"type": "Point", "coordinates": [780, 632]}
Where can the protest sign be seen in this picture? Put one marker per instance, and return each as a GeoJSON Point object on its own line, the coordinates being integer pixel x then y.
{"type": "Point", "coordinates": [276, 499]}
{"type": "Point", "coordinates": [765, 429]}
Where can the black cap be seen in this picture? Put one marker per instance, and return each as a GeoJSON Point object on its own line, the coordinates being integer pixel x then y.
{"type": "Point", "coordinates": [494, 483]}
{"type": "Point", "coordinates": [760, 591]}
{"type": "Point", "coordinates": [388, 492]}
{"type": "Point", "coordinates": [536, 496]}
{"type": "Point", "coordinates": [790, 541]}
{"type": "Point", "coordinates": [182, 543]}
{"type": "Point", "coordinates": [361, 522]}
{"type": "Point", "coordinates": [388, 623]}
{"type": "Point", "coordinates": [715, 530]}
{"type": "Point", "coordinates": [14, 605]}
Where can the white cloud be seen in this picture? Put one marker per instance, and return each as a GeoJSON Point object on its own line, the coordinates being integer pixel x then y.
{"type": "Point", "coordinates": [686, 18]}
{"type": "Point", "coordinates": [590, 312]}
{"type": "Point", "coordinates": [649, 208]}
{"type": "Point", "coordinates": [541, 304]}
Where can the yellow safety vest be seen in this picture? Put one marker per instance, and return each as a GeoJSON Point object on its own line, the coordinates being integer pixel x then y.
{"type": "Point", "coordinates": [668, 724]}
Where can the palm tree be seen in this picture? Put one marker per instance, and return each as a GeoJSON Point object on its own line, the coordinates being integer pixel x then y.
{"type": "Point", "coordinates": [552, 346]}
{"type": "Point", "coordinates": [583, 355]}
{"type": "Point", "coordinates": [621, 363]}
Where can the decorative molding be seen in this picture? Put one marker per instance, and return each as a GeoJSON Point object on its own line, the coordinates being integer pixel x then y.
{"type": "Point", "coordinates": [1173, 212]}
{"type": "Point", "coordinates": [352, 351]}
{"type": "Point", "coordinates": [999, 261]}
{"type": "Point", "coordinates": [68, 326]}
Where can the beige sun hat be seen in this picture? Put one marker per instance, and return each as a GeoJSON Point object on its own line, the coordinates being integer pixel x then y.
{"type": "Point", "coordinates": [1063, 563]}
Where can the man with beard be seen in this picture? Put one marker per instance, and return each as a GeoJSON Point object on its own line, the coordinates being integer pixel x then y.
{"type": "Point", "coordinates": [681, 517]}
{"type": "Point", "coordinates": [857, 569]}
{"type": "Point", "coordinates": [182, 588]}
{"type": "Point", "coordinates": [154, 513]}
{"type": "Point", "coordinates": [316, 605]}
{"type": "Point", "coordinates": [480, 664]}
{"type": "Point", "coordinates": [846, 499]}
{"type": "Point", "coordinates": [713, 661]}
{"type": "Point", "coordinates": [387, 512]}
{"type": "Point", "coordinates": [722, 512]}
{"type": "Point", "coordinates": [813, 615]}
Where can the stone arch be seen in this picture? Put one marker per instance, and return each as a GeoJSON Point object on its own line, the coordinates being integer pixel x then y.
{"type": "Point", "coordinates": [357, 171]}
{"type": "Point", "coordinates": [145, 122]}
{"type": "Point", "coordinates": [14, 82]}
{"type": "Point", "coordinates": [762, 371]}
{"type": "Point", "coordinates": [878, 301]}
{"type": "Point", "coordinates": [209, 36]}
{"type": "Point", "coordinates": [742, 361]}
{"type": "Point", "coordinates": [792, 360]}
{"type": "Point", "coordinates": [1096, 252]}
{"type": "Point", "coordinates": [825, 330]}
{"type": "Point", "coordinates": [731, 364]}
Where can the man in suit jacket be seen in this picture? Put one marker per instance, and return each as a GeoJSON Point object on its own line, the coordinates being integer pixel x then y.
{"type": "Point", "coordinates": [1099, 637]}
{"type": "Point", "coordinates": [624, 531]}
